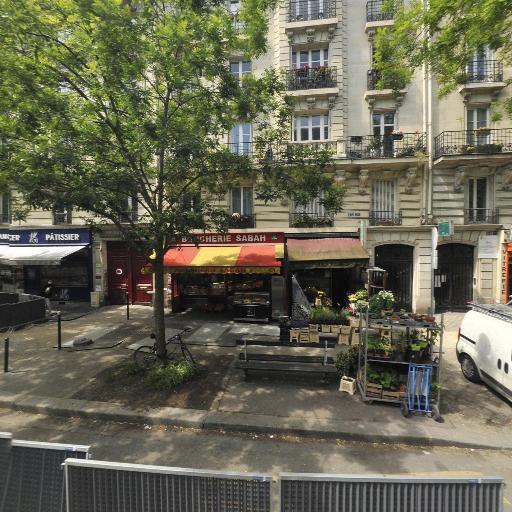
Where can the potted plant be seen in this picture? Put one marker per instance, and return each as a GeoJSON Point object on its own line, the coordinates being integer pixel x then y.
{"type": "Point", "coordinates": [467, 149]}
{"type": "Point", "coordinates": [483, 130]}
{"type": "Point", "coordinates": [382, 303]}
{"type": "Point", "coordinates": [358, 297]}
{"type": "Point", "coordinates": [397, 135]}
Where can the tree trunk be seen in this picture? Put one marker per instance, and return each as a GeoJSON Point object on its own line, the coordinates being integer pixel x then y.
{"type": "Point", "coordinates": [158, 304]}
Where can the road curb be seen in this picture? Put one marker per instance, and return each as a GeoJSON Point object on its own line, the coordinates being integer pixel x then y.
{"type": "Point", "coordinates": [232, 422]}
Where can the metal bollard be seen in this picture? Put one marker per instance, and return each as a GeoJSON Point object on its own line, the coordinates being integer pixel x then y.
{"type": "Point", "coordinates": [6, 355]}
{"type": "Point", "coordinates": [127, 306]}
{"type": "Point", "coordinates": [59, 331]}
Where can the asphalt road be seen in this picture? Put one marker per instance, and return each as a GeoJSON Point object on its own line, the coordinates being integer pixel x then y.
{"type": "Point", "coordinates": [251, 452]}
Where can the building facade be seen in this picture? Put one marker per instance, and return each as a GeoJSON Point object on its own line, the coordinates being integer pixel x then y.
{"type": "Point", "coordinates": [408, 161]}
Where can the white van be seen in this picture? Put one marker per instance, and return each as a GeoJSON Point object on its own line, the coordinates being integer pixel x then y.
{"type": "Point", "coordinates": [484, 346]}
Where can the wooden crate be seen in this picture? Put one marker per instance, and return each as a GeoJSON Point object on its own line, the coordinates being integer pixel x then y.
{"type": "Point", "coordinates": [313, 327]}
{"type": "Point", "coordinates": [373, 390]}
{"type": "Point", "coordinates": [304, 335]}
{"type": "Point", "coordinates": [314, 337]}
{"type": "Point", "coordinates": [294, 335]}
{"type": "Point", "coordinates": [391, 395]}
{"type": "Point", "coordinates": [336, 329]}
{"type": "Point", "coordinates": [345, 329]}
{"type": "Point", "coordinates": [355, 338]}
{"type": "Point", "coordinates": [343, 339]}
{"type": "Point", "coordinates": [325, 328]}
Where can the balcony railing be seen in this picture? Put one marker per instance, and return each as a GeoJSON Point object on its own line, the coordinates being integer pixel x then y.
{"type": "Point", "coordinates": [311, 78]}
{"type": "Point", "coordinates": [482, 141]}
{"type": "Point", "coordinates": [310, 220]}
{"type": "Point", "coordinates": [385, 218]}
{"type": "Point", "coordinates": [374, 11]}
{"type": "Point", "coordinates": [304, 149]}
{"type": "Point", "coordinates": [302, 10]}
{"type": "Point", "coordinates": [481, 216]}
{"type": "Point", "coordinates": [486, 71]}
{"type": "Point", "coordinates": [242, 220]}
{"type": "Point", "coordinates": [401, 145]}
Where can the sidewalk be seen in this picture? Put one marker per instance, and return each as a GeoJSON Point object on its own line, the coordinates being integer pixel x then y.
{"type": "Point", "coordinates": [43, 380]}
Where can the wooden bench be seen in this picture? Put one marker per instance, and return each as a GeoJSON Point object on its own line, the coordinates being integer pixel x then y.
{"type": "Point", "coordinates": [284, 363]}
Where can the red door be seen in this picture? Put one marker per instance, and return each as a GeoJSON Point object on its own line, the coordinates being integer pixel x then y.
{"type": "Point", "coordinates": [142, 282]}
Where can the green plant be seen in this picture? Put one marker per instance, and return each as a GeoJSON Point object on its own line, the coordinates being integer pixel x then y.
{"type": "Point", "coordinates": [358, 296]}
{"type": "Point", "coordinates": [346, 362]}
{"type": "Point", "coordinates": [327, 316]}
{"type": "Point", "coordinates": [382, 300]}
{"type": "Point", "coordinates": [124, 373]}
{"type": "Point", "coordinates": [171, 376]}
{"type": "Point", "coordinates": [378, 344]}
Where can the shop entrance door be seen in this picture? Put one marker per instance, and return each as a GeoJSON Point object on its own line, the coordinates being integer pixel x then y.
{"type": "Point", "coordinates": [397, 259]}
{"type": "Point", "coordinates": [454, 277]}
{"type": "Point", "coordinates": [142, 282]}
{"type": "Point", "coordinates": [32, 279]}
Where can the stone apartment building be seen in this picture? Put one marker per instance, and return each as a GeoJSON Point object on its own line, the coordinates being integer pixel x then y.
{"type": "Point", "coordinates": [408, 160]}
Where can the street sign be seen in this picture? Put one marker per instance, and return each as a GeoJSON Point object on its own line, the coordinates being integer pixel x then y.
{"type": "Point", "coordinates": [446, 228]}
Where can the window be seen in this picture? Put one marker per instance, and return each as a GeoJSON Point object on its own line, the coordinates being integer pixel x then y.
{"type": "Point", "coordinates": [315, 208]}
{"type": "Point", "coordinates": [130, 215]}
{"type": "Point", "coordinates": [5, 209]}
{"type": "Point", "coordinates": [310, 58]}
{"type": "Point", "coordinates": [240, 139]}
{"type": "Point", "coordinates": [477, 199]}
{"type": "Point", "coordinates": [240, 68]}
{"type": "Point", "coordinates": [62, 215]}
{"type": "Point", "coordinates": [383, 197]}
{"type": "Point", "coordinates": [310, 128]}
{"type": "Point", "coordinates": [234, 6]}
{"type": "Point", "coordinates": [477, 118]}
{"type": "Point", "coordinates": [308, 9]}
{"type": "Point", "coordinates": [241, 200]}
{"type": "Point", "coordinates": [383, 123]}
{"type": "Point", "coordinates": [477, 65]}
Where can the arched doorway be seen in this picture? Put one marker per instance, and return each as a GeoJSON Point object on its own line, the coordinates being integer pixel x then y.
{"type": "Point", "coordinates": [453, 286]}
{"type": "Point", "coordinates": [397, 259]}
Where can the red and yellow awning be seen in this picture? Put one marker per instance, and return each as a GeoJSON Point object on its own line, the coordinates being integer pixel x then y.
{"type": "Point", "coordinates": [225, 259]}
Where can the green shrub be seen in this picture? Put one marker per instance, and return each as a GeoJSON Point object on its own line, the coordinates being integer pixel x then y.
{"type": "Point", "coordinates": [123, 373]}
{"type": "Point", "coordinates": [346, 362]}
{"type": "Point", "coordinates": [172, 375]}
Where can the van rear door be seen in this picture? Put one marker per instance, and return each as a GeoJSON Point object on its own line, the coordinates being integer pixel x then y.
{"type": "Point", "coordinates": [504, 354]}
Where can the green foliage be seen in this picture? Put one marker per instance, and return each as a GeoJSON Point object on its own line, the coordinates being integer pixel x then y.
{"type": "Point", "coordinates": [359, 296]}
{"type": "Point", "coordinates": [378, 344]}
{"type": "Point", "coordinates": [457, 29]}
{"type": "Point", "coordinates": [328, 316]}
{"type": "Point", "coordinates": [124, 373]}
{"type": "Point", "coordinates": [346, 362]}
{"type": "Point", "coordinates": [382, 300]}
{"type": "Point", "coordinates": [387, 379]}
{"type": "Point", "coordinates": [172, 375]}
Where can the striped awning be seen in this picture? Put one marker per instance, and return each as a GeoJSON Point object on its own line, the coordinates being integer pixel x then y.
{"type": "Point", "coordinates": [225, 259]}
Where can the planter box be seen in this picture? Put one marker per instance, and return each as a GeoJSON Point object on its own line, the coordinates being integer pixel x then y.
{"type": "Point", "coordinates": [313, 327]}
{"type": "Point", "coordinates": [325, 328]}
{"type": "Point", "coordinates": [348, 385]}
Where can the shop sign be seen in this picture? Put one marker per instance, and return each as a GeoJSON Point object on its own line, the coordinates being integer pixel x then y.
{"type": "Point", "coordinates": [234, 238]}
{"type": "Point", "coordinates": [37, 237]}
{"type": "Point", "coordinates": [223, 270]}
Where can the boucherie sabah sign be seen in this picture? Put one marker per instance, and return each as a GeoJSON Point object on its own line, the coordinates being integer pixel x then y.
{"type": "Point", "coordinates": [233, 238]}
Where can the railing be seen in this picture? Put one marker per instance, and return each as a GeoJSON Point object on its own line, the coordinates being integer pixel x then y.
{"type": "Point", "coordinates": [241, 221]}
{"type": "Point", "coordinates": [482, 141]}
{"type": "Point", "coordinates": [310, 220]}
{"type": "Point", "coordinates": [288, 150]}
{"type": "Point", "coordinates": [374, 11]}
{"type": "Point", "coordinates": [385, 218]}
{"type": "Point", "coordinates": [484, 71]}
{"type": "Point", "coordinates": [311, 78]}
{"type": "Point", "coordinates": [401, 145]}
{"type": "Point", "coordinates": [62, 217]}
{"type": "Point", "coordinates": [302, 10]}
{"type": "Point", "coordinates": [372, 77]}
{"type": "Point", "coordinates": [481, 216]}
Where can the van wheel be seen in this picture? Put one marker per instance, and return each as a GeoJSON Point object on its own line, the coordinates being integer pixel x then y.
{"type": "Point", "coordinates": [469, 369]}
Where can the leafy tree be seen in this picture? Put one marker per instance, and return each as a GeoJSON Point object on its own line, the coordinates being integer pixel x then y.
{"type": "Point", "coordinates": [111, 105]}
{"type": "Point", "coordinates": [444, 34]}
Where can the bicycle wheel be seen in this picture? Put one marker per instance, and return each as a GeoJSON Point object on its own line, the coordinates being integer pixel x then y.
{"type": "Point", "coordinates": [145, 357]}
{"type": "Point", "coordinates": [187, 355]}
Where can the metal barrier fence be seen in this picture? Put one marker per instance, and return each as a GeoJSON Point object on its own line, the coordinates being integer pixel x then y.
{"type": "Point", "coordinates": [32, 479]}
{"type": "Point", "coordinates": [94, 486]}
{"type": "Point", "coordinates": [338, 493]}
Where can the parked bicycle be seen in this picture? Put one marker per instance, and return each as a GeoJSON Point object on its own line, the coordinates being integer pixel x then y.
{"type": "Point", "coordinates": [146, 357]}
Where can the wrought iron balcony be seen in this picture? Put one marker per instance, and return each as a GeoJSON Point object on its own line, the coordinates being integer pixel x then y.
{"type": "Point", "coordinates": [398, 145]}
{"type": "Point", "coordinates": [482, 141]}
{"type": "Point", "coordinates": [385, 218]}
{"type": "Point", "coordinates": [310, 220]}
{"type": "Point", "coordinates": [481, 216]}
{"type": "Point", "coordinates": [311, 78]}
{"type": "Point", "coordinates": [486, 71]}
{"type": "Point", "coordinates": [242, 220]}
{"type": "Point", "coordinates": [374, 11]}
{"type": "Point", "coordinates": [302, 10]}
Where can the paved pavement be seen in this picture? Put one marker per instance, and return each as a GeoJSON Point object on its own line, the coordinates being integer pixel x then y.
{"type": "Point", "coordinates": [43, 380]}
